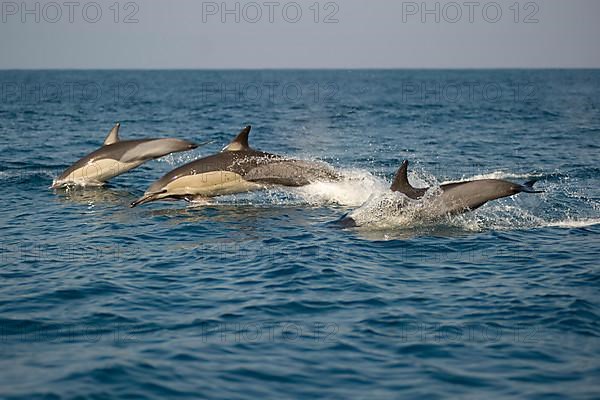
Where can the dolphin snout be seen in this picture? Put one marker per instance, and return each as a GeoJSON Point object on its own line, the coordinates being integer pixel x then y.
{"type": "Point", "coordinates": [57, 183]}
{"type": "Point", "coordinates": [146, 198]}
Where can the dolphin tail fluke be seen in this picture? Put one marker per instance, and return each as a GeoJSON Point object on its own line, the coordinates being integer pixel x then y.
{"type": "Point", "coordinates": [527, 187]}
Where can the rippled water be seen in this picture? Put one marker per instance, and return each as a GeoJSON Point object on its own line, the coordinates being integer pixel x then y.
{"type": "Point", "coordinates": [259, 294]}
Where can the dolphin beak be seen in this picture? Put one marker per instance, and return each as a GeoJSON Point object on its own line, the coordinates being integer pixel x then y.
{"type": "Point", "coordinates": [192, 145]}
{"type": "Point", "coordinates": [146, 198]}
{"type": "Point", "coordinates": [139, 201]}
{"type": "Point", "coordinates": [203, 143]}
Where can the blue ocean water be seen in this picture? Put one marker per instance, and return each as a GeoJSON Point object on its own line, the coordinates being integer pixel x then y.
{"type": "Point", "coordinates": [259, 295]}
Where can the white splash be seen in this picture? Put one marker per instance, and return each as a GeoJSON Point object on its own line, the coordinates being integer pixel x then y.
{"type": "Point", "coordinates": [353, 190]}
{"type": "Point", "coordinates": [571, 223]}
{"type": "Point", "coordinates": [494, 175]}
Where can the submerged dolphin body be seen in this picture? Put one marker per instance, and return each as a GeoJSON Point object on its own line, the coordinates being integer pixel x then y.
{"type": "Point", "coordinates": [116, 157]}
{"type": "Point", "coordinates": [237, 168]}
{"type": "Point", "coordinates": [453, 198]}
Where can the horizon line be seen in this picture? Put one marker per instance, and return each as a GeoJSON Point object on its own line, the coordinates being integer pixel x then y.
{"type": "Point", "coordinates": [294, 68]}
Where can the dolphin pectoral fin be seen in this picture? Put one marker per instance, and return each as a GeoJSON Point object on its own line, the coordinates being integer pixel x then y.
{"type": "Point", "coordinates": [401, 184]}
{"type": "Point", "coordinates": [240, 142]}
{"type": "Point", "coordinates": [197, 200]}
{"type": "Point", "coordinates": [345, 221]}
{"type": "Point", "coordinates": [72, 184]}
{"type": "Point", "coordinates": [113, 135]}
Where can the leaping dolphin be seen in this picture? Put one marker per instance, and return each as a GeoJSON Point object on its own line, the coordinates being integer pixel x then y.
{"type": "Point", "coordinates": [237, 168]}
{"type": "Point", "coordinates": [453, 198]}
{"type": "Point", "coordinates": [116, 157]}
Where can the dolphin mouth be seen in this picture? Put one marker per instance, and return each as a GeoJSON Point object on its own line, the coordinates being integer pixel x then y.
{"type": "Point", "coordinates": [146, 198]}
{"type": "Point", "coordinates": [62, 184]}
{"type": "Point", "coordinates": [141, 200]}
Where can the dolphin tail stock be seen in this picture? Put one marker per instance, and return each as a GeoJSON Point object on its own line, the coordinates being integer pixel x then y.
{"type": "Point", "coordinates": [527, 187]}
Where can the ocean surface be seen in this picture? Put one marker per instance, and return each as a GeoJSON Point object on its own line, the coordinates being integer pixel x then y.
{"type": "Point", "coordinates": [260, 295]}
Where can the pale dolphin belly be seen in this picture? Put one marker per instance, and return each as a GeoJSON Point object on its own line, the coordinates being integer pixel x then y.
{"type": "Point", "coordinates": [210, 184]}
{"type": "Point", "coordinates": [97, 172]}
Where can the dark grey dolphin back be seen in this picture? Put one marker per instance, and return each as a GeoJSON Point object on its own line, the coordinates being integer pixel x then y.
{"type": "Point", "coordinates": [289, 172]}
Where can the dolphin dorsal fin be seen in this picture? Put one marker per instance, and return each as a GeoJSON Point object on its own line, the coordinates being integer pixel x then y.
{"type": "Point", "coordinates": [113, 135]}
{"type": "Point", "coordinates": [240, 142]}
{"type": "Point", "coordinates": [400, 183]}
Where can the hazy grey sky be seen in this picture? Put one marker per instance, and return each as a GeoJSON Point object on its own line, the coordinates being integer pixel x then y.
{"type": "Point", "coordinates": [302, 34]}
